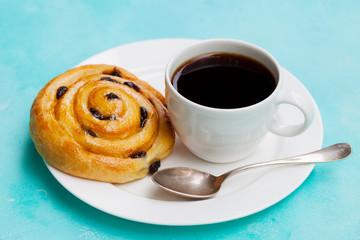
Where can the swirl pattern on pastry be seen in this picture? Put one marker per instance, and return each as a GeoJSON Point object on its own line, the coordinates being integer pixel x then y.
{"type": "Point", "coordinates": [101, 122]}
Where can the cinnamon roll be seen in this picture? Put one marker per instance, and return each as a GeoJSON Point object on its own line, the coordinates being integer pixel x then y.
{"type": "Point", "coordinates": [101, 122]}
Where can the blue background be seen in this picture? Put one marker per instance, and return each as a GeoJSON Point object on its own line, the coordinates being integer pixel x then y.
{"type": "Point", "coordinates": [317, 41]}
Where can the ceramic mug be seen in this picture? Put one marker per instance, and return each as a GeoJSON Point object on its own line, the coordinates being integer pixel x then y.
{"type": "Point", "coordinates": [227, 135]}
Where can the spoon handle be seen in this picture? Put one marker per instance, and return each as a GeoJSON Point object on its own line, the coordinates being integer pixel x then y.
{"type": "Point", "coordinates": [332, 153]}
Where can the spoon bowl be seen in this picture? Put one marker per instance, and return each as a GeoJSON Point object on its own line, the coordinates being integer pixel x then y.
{"type": "Point", "coordinates": [188, 182]}
{"type": "Point", "coordinates": [192, 183]}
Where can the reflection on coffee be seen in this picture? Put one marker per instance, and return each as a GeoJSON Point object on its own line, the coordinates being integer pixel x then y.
{"type": "Point", "coordinates": [224, 80]}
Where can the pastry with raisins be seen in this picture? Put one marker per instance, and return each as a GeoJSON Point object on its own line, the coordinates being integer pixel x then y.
{"type": "Point", "coordinates": [101, 122]}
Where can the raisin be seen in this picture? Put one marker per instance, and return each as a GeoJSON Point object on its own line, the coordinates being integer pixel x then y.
{"type": "Point", "coordinates": [154, 167]}
{"type": "Point", "coordinates": [113, 117]}
{"type": "Point", "coordinates": [143, 116]}
{"type": "Point", "coordinates": [115, 73]}
{"type": "Point", "coordinates": [61, 91]}
{"type": "Point", "coordinates": [111, 96]}
{"type": "Point", "coordinates": [109, 79]}
{"type": "Point", "coordinates": [139, 155]}
{"type": "Point", "coordinates": [132, 85]}
{"type": "Point", "coordinates": [90, 132]}
{"type": "Point", "coordinates": [96, 114]}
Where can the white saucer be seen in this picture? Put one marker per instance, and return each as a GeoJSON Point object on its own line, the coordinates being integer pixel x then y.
{"type": "Point", "coordinates": [242, 195]}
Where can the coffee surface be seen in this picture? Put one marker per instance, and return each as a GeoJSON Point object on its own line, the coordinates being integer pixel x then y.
{"type": "Point", "coordinates": [224, 80]}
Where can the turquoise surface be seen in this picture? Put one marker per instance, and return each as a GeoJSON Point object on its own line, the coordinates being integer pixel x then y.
{"type": "Point", "coordinates": [317, 41]}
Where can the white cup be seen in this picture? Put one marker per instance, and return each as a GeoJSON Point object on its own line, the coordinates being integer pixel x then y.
{"type": "Point", "coordinates": [227, 135]}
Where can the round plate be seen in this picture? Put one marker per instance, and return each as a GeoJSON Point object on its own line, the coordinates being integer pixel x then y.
{"type": "Point", "coordinates": [241, 195]}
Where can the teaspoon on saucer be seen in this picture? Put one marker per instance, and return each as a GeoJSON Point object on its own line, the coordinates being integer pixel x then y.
{"type": "Point", "coordinates": [192, 183]}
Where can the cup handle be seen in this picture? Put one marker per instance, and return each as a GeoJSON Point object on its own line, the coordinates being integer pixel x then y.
{"type": "Point", "coordinates": [280, 128]}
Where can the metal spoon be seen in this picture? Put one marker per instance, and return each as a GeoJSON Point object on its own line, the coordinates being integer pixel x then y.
{"type": "Point", "coordinates": [192, 183]}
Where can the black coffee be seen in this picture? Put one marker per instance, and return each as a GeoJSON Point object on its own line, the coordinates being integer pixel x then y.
{"type": "Point", "coordinates": [223, 80]}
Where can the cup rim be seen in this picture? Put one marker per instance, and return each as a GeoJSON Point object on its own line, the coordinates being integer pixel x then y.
{"type": "Point", "coordinates": [200, 107]}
